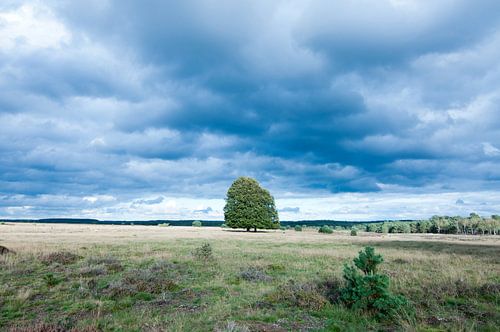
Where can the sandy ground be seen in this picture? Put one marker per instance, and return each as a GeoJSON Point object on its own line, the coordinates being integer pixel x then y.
{"type": "Point", "coordinates": [19, 236]}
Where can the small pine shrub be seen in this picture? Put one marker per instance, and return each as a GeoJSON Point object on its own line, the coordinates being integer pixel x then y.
{"type": "Point", "coordinates": [283, 228]}
{"type": "Point", "coordinates": [224, 226]}
{"type": "Point", "coordinates": [354, 231]}
{"type": "Point", "coordinates": [203, 253]}
{"type": "Point", "coordinates": [196, 223]}
{"type": "Point", "coordinates": [369, 290]}
{"type": "Point", "coordinates": [164, 224]}
{"type": "Point", "coordinates": [325, 229]}
{"type": "Point", "coordinates": [298, 228]}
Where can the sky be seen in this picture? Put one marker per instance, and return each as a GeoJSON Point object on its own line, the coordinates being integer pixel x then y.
{"type": "Point", "coordinates": [346, 110]}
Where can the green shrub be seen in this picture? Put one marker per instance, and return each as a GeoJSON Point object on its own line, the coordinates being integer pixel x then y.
{"type": "Point", "coordinates": [165, 224]}
{"type": "Point", "coordinates": [51, 280]}
{"type": "Point", "coordinates": [369, 290]}
{"type": "Point", "coordinates": [196, 223]}
{"type": "Point", "coordinates": [354, 231]}
{"type": "Point", "coordinates": [224, 226]}
{"type": "Point", "coordinates": [203, 253]}
{"type": "Point", "coordinates": [325, 229]}
{"type": "Point", "coordinates": [298, 228]}
{"type": "Point", "coordinates": [283, 228]}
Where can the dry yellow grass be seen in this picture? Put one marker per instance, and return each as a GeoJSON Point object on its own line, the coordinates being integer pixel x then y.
{"type": "Point", "coordinates": [20, 236]}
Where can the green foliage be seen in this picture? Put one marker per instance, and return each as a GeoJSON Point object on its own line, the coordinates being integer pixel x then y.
{"type": "Point", "coordinates": [369, 290]}
{"type": "Point", "coordinates": [354, 231]}
{"type": "Point", "coordinates": [473, 224]}
{"type": "Point", "coordinates": [164, 224]}
{"type": "Point", "coordinates": [203, 253]}
{"type": "Point", "coordinates": [367, 261]}
{"type": "Point", "coordinates": [325, 229]}
{"type": "Point", "coordinates": [298, 228]}
{"type": "Point", "coordinates": [196, 223]}
{"type": "Point", "coordinates": [224, 226]}
{"type": "Point", "coordinates": [249, 206]}
{"type": "Point", "coordinates": [51, 280]}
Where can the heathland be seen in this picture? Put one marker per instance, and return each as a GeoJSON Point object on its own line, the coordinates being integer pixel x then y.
{"type": "Point", "coordinates": [134, 278]}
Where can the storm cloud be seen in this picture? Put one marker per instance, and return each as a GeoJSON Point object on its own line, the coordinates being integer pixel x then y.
{"type": "Point", "coordinates": [150, 109]}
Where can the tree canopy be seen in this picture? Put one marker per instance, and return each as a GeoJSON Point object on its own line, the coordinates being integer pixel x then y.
{"type": "Point", "coordinates": [250, 206]}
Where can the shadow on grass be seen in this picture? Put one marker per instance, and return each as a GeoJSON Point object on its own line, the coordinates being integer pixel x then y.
{"type": "Point", "coordinates": [251, 231]}
{"type": "Point", "coordinates": [487, 252]}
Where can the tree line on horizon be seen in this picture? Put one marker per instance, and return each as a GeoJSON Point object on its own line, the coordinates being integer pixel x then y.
{"type": "Point", "coordinates": [473, 224]}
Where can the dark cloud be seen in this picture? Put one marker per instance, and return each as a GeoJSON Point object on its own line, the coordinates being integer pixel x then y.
{"type": "Point", "coordinates": [138, 99]}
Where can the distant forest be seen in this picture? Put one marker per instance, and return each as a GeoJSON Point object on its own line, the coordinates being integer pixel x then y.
{"type": "Point", "coordinates": [473, 224]}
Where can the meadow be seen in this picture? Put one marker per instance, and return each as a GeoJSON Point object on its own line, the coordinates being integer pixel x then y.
{"type": "Point", "coordinates": [150, 278]}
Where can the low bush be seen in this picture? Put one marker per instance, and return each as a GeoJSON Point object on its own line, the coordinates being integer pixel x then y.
{"type": "Point", "coordinates": [283, 228]}
{"type": "Point", "coordinates": [61, 257]}
{"type": "Point", "coordinates": [224, 226]}
{"type": "Point", "coordinates": [354, 231]}
{"type": "Point", "coordinates": [203, 253]}
{"type": "Point", "coordinates": [5, 251]}
{"type": "Point", "coordinates": [141, 280]}
{"type": "Point", "coordinates": [369, 290]}
{"type": "Point", "coordinates": [165, 224]}
{"type": "Point", "coordinates": [111, 263]}
{"type": "Point", "coordinates": [325, 229]}
{"type": "Point", "coordinates": [254, 274]}
{"type": "Point", "coordinates": [92, 270]}
{"type": "Point", "coordinates": [302, 295]}
{"type": "Point", "coordinates": [298, 228]}
{"type": "Point", "coordinates": [196, 223]}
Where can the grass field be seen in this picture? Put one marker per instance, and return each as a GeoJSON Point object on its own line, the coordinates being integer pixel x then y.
{"type": "Point", "coordinates": [145, 278]}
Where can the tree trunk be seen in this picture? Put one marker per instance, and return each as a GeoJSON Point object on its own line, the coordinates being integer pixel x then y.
{"type": "Point", "coordinates": [248, 229]}
{"type": "Point", "coordinates": [255, 229]}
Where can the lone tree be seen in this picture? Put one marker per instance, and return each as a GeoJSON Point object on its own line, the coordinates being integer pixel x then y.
{"type": "Point", "coordinates": [248, 205]}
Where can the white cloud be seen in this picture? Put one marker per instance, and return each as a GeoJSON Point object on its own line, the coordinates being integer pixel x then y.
{"type": "Point", "coordinates": [31, 26]}
{"type": "Point", "coordinates": [490, 150]}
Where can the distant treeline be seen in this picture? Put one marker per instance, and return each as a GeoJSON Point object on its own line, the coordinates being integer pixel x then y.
{"type": "Point", "coordinates": [209, 223]}
{"type": "Point", "coordinates": [474, 224]}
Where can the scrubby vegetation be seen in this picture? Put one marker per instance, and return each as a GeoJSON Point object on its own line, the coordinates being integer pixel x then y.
{"type": "Point", "coordinates": [247, 283]}
{"type": "Point", "coordinates": [196, 223]}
